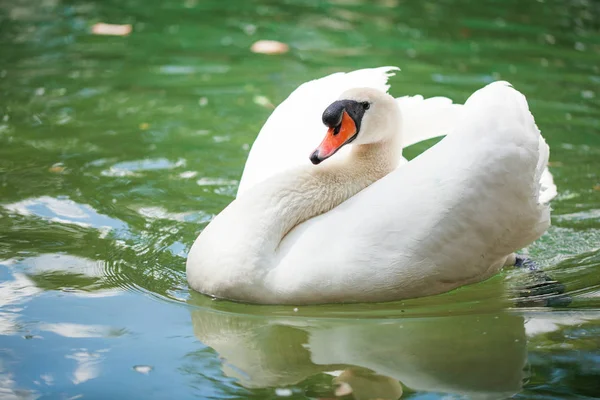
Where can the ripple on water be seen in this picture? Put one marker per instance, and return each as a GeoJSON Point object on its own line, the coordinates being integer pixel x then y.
{"type": "Point", "coordinates": [588, 215]}
{"type": "Point", "coordinates": [215, 182]}
{"type": "Point", "coordinates": [161, 213]}
{"type": "Point", "coordinates": [543, 322]}
{"type": "Point", "coordinates": [14, 292]}
{"type": "Point", "coordinates": [63, 210]}
{"type": "Point", "coordinates": [75, 275]}
{"type": "Point", "coordinates": [193, 69]}
{"type": "Point", "coordinates": [26, 279]}
{"type": "Point", "coordinates": [86, 277]}
{"type": "Point", "coordinates": [133, 168]}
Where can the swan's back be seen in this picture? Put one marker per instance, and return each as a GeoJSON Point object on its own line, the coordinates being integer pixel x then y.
{"type": "Point", "coordinates": [447, 218]}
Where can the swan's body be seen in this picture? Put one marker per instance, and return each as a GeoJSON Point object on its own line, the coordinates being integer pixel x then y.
{"type": "Point", "coordinates": [360, 228]}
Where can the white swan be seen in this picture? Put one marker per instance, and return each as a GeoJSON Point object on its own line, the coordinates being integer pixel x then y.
{"type": "Point", "coordinates": [356, 227]}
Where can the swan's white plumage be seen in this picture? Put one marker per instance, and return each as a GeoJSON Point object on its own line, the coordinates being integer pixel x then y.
{"type": "Point", "coordinates": [294, 128]}
{"type": "Point", "coordinates": [450, 217]}
{"type": "Point", "coordinates": [426, 118]}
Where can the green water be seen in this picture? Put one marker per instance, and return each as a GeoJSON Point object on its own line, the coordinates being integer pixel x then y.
{"type": "Point", "coordinates": [116, 151]}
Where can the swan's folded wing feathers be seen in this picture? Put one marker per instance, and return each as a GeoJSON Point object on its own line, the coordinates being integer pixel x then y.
{"type": "Point", "coordinates": [424, 119]}
{"type": "Point", "coordinates": [294, 129]}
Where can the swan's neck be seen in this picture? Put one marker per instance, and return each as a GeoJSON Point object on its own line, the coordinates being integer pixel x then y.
{"type": "Point", "coordinates": [255, 224]}
{"type": "Point", "coordinates": [310, 191]}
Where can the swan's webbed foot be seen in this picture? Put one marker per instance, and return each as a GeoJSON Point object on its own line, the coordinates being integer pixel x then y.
{"type": "Point", "coordinates": [525, 262]}
{"type": "Point", "coordinates": [539, 290]}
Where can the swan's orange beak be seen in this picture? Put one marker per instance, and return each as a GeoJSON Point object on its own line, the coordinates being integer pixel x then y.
{"type": "Point", "coordinates": [335, 139]}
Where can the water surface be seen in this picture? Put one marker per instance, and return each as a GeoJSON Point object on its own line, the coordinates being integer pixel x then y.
{"type": "Point", "coordinates": [115, 152]}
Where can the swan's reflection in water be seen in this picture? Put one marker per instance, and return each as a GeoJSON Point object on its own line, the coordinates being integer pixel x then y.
{"type": "Point", "coordinates": [363, 383]}
{"type": "Point", "coordinates": [480, 356]}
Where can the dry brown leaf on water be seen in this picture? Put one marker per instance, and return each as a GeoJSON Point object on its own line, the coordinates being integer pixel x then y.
{"type": "Point", "coordinates": [111, 29]}
{"type": "Point", "coordinates": [269, 47]}
{"type": "Point", "coordinates": [57, 168]}
{"type": "Point", "coordinates": [263, 101]}
{"type": "Point", "coordinates": [596, 187]}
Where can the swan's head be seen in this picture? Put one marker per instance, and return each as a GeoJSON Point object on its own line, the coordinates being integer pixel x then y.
{"type": "Point", "coordinates": [360, 116]}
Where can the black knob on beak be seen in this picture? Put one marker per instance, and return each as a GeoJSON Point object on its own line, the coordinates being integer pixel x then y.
{"type": "Point", "coordinates": [332, 116]}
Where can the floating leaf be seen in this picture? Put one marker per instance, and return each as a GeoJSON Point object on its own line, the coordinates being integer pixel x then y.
{"type": "Point", "coordinates": [111, 29]}
{"type": "Point", "coordinates": [269, 47]}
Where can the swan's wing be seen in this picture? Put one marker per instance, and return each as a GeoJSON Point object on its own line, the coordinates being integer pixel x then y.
{"type": "Point", "coordinates": [294, 129]}
{"type": "Point", "coordinates": [426, 118]}
{"type": "Point", "coordinates": [449, 217]}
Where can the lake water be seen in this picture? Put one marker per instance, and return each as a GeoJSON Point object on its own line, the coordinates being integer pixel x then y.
{"type": "Point", "coordinates": [116, 151]}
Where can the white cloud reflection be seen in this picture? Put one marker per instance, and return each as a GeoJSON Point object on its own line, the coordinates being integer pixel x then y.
{"type": "Point", "coordinates": [88, 365]}
{"type": "Point", "coordinates": [77, 330]}
{"type": "Point", "coordinates": [64, 211]}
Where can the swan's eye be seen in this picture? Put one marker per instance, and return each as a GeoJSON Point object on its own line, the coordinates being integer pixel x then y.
{"type": "Point", "coordinates": [366, 105]}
